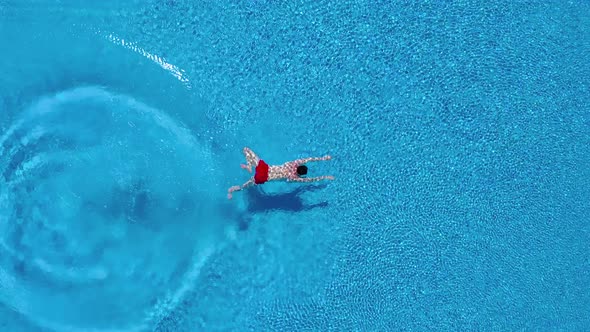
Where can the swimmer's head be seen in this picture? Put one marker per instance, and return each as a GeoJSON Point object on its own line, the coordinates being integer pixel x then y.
{"type": "Point", "coordinates": [301, 170]}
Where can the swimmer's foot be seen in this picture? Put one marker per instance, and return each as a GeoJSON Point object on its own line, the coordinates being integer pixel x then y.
{"type": "Point", "coordinates": [231, 190]}
{"type": "Point", "coordinates": [246, 167]}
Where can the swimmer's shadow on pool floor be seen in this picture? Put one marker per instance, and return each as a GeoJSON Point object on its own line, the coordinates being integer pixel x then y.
{"type": "Point", "coordinates": [259, 201]}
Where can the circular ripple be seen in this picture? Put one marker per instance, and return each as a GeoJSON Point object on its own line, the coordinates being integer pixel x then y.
{"type": "Point", "coordinates": [104, 211]}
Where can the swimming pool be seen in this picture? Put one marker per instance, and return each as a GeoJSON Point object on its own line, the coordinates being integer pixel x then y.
{"type": "Point", "coordinates": [459, 134]}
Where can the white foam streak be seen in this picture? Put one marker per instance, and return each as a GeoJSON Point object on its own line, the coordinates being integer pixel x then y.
{"type": "Point", "coordinates": [172, 69]}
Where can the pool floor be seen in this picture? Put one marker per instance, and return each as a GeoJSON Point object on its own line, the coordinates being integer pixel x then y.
{"type": "Point", "coordinates": [458, 134]}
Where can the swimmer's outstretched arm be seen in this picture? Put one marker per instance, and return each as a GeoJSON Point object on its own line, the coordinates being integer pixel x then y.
{"type": "Point", "coordinates": [306, 160]}
{"type": "Point", "coordinates": [318, 178]}
{"type": "Point", "coordinates": [237, 188]}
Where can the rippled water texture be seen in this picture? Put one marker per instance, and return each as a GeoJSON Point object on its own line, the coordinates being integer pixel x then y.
{"type": "Point", "coordinates": [100, 198]}
{"type": "Point", "coordinates": [105, 184]}
{"type": "Point", "coordinates": [459, 132]}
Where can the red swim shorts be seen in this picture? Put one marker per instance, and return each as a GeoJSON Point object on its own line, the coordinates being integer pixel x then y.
{"type": "Point", "coordinates": [261, 175]}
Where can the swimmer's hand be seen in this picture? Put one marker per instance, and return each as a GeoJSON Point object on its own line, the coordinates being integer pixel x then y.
{"type": "Point", "coordinates": [326, 157]}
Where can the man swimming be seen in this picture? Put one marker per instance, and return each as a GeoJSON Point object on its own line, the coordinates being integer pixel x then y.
{"type": "Point", "coordinates": [289, 171]}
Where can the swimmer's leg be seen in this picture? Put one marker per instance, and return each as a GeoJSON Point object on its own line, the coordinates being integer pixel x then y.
{"type": "Point", "coordinates": [251, 159]}
{"type": "Point", "coordinates": [231, 190]}
{"type": "Point", "coordinates": [238, 188]}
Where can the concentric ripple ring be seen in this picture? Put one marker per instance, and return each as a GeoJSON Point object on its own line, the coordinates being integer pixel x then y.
{"type": "Point", "coordinates": [105, 214]}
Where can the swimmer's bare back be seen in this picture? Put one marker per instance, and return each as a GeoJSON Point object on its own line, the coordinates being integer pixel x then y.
{"type": "Point", "coordinates": [290, 171]}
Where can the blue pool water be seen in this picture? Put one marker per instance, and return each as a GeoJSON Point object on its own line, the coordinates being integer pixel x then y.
{"type": "Point", "coordinates": [459, 133]}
